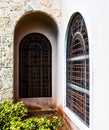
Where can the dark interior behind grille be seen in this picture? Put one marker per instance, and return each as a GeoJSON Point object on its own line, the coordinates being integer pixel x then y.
{"type": "Point", "coordinates": [35, 70]}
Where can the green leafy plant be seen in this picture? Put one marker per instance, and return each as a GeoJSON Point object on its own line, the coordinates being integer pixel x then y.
{"type": "Point", "coordinates": [9, 111]}
{"type": "Point", "coordinates": [13, 117]}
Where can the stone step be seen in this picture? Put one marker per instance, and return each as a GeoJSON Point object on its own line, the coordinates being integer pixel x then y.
{"type": "Point", "coordinates": [49, 113]}
{"type": "Point", "coordinates": [42, 112]}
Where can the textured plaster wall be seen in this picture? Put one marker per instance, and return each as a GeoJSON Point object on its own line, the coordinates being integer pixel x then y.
{"type": "Point", "coordinates": [10, 12]}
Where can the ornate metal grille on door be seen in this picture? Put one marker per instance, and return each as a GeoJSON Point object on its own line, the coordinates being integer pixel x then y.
{"type": "Point", "coordinates": [35, 70]}
{"type": "Point", "coordinates": [77, 69]}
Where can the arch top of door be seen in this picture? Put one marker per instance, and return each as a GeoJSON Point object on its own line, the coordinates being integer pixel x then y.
{"type": "Point", "coordinates": [35, 21]}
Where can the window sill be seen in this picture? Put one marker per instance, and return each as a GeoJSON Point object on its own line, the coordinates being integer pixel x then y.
{"type": "Point", "coordinates": [75, 120]}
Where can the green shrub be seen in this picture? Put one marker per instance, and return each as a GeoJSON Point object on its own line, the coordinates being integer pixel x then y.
{"type": "Point", "coordinates": [9, 111]}
{"type": "Point", "coordinates": [12, 118]}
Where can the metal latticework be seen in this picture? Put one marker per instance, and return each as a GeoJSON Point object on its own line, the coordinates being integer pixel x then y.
{"type": "Point", "coordinates": [77, 69]}
{"type": "Point", "coordinates": [35, 55]}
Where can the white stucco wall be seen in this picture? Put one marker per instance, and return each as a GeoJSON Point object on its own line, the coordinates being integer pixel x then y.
{"type": "Point", "coordinates": [96, 16]}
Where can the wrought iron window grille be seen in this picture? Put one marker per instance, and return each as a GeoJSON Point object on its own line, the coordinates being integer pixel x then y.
{"type": "Point", "coordinates": [35, 66]}
{"type": "Point", "coordinates": [77, 69]}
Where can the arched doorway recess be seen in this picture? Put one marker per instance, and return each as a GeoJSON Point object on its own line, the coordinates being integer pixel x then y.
{"type": "Point", "coordinates": [34, 25]}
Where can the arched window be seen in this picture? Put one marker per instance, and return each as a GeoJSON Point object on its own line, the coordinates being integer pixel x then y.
{"type": "Point", "coordinates": [35, 55]}
{"type": "Point", "coordinates": [77, 69]}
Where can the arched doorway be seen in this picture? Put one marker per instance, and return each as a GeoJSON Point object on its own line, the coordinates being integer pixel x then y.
{"type": "Point", "coordinates": [35, 68]}
{"type": "Point", "coordinates": [35, 25]}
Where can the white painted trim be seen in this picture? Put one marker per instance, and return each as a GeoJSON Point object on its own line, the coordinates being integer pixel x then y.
{"type": "Point", "coordinates": [75, 87]}
{"type": "Point", "coordinates": [75, 119]}
{"type": "Point", "coordinates": [78, 58]}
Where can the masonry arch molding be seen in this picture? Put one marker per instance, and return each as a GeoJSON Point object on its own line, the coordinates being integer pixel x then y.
{"type": "Point", "coordinates": [35, 22]}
